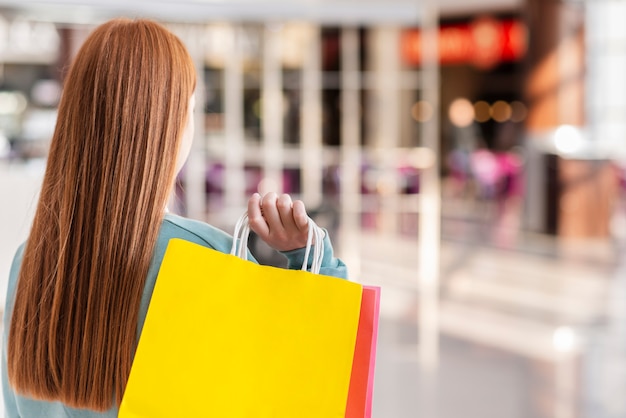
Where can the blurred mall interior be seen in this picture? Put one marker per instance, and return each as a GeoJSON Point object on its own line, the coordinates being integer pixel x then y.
{"type": "Point", "coordinates": [469, 157]}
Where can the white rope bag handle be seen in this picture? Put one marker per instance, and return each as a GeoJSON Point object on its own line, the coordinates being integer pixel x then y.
{"type": "Point", "coordinates": [242, 232]}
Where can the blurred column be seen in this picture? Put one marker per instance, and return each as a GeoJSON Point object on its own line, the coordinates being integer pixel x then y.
{"type": "Point", "coordinates": [66, 47]}
{"type": "Point", "coordinates": [606, 64]}
{"type": "Point", "coordinates": [311, 121]}
{"type": "Point", "coordinates": [567, 360]}
{"type": "Point", "coordinates": [386, 66]}
{"type": "Point", "coordinates": [272, 110]}
{"type": "Point", "coordinates": [543, 83]}
{"type": "Point", "coordinates": [569, 189]}
{"type": "Point", "coordinates": [555, 82]}
{"type": "Point", "coordinates": [71, 38]}
{"type": "Point", "coordinates": [350, 187]}
{"type": "Point", "coordinates": [195, 167]}
{"type": "Point", "coordinates": [429, 238]}
{"type": "Point", "coordinates": [234, 148]}
{"type": "Point", "coordinates": [606, 113]}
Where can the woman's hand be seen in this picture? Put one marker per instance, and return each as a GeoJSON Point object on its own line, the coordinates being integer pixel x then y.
{"type": "Point", "coordinates": [278, 221]}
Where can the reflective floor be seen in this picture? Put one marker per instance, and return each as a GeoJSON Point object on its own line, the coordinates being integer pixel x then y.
{"type": "Point", "coordinates": [530, 327]}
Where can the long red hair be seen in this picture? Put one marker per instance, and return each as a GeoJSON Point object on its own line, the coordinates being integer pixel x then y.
{"type": "Point", "coordinates": [110, 170]}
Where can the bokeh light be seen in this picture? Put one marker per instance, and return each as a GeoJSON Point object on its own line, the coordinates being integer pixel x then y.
{"type": "Point", "coordinates": [518, 111]}
{"type": "Point", "coordinates": [568, 139]}
{"type": "Point", "coordinates": [461, 112]}
{"type": "Point", "coordinates": [422, 111]}
{"type": "Point", "coordinates": [501, 111]}
{"type": "Point", "coordinates": [482, 111]}
{"type": "Point", "coordinates": [564, 340]}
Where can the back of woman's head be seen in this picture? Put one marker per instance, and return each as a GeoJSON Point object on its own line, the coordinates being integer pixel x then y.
{"type": "Point", "coordinates": [110, 169]}
{"type": "Point", "coordinates": [126, 98]}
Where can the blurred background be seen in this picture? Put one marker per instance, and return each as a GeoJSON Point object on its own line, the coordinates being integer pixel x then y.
{"type": "Point", "coordinates": [469, 157]}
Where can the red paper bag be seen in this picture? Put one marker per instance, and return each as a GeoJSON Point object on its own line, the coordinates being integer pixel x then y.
{"type": "Point", "coordinates": [359, 403]}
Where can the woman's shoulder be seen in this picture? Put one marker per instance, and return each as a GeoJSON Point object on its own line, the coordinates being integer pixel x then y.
{"type": "Point", "coordinates": [199, 232]}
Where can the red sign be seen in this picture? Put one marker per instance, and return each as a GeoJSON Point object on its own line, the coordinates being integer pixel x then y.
{"type": "Point", "coordinates": [483, 43]}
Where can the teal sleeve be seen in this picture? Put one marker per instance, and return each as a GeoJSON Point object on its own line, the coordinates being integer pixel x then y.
{"type": "Point", "coordinates": [331, 266]}
{"type": "Point", "coordinates": [10, 405]}
{"type": "Point", "coordinates": [209, 236]}
{"type": "Point", "coordinates": [197, 232]}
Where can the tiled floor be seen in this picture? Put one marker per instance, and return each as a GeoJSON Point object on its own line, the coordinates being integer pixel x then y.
{"type": "Point", "coordinates": [506, 315]}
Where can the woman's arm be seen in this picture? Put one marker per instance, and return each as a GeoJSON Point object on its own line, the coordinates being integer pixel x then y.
{"type": "Point", "coordinates": [331, 266]}
{"type": "Point", "coordinates": [10, 407]}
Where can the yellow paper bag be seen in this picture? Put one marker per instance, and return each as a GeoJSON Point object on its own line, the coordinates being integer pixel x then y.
{"type": "Point", "coordinates": [228, 338]}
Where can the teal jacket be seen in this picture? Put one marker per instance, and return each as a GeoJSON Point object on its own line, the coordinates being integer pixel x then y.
{"type": "Point", "coordinates": [172, 227]}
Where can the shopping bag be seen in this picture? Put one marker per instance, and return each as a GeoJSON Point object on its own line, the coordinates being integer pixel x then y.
{"type": "Point", "coordinates": [225, 337]}
{"type": "Point", "coordinates": [359, 403]}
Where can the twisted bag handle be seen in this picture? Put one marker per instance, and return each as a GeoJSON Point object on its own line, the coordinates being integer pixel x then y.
{"type": "Point", "coordinates": [242, 232]}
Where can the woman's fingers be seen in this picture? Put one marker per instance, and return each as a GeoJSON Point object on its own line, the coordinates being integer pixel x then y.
{"type": "Point", "coordinates": [269, 211]}
{"type": "Point", "coordinates": [300, 217]}
{"type": "Point", "coordinates": [284, 206]}
{"type": "Point", "coordinates": [255, 216]}
{"type": "Point", "coordinates": [281, 223]}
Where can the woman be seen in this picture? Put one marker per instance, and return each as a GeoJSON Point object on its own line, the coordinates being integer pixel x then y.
{"type": "Point", "coordinates": [80, 287]}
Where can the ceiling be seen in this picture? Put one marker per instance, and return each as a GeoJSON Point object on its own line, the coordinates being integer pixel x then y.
{"type": "Point", "coordinates": [326, 11]}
